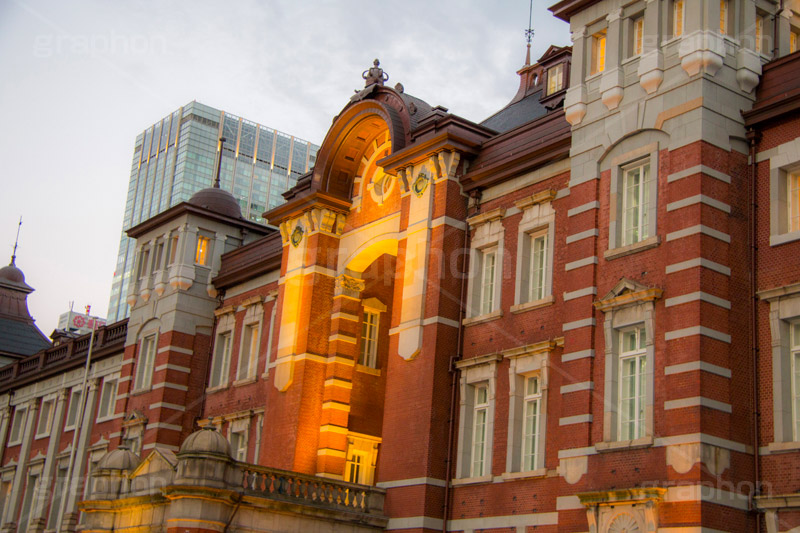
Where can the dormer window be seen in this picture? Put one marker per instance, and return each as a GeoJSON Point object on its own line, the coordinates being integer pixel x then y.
{"type": "Point", "coordinates": [555, 79]}
{"type": "Point", "coordinates": [598, 52]}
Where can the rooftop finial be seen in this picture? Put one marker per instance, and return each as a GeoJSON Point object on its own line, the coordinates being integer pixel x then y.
{"type": "Point", "coordinates": [16, 241]}
{"type": "Point", "coordinates": [374, 74]}
{"type": "Point", "coordinates": [529, 35]}
{"type": "Point", "coordinates": [219, 162]}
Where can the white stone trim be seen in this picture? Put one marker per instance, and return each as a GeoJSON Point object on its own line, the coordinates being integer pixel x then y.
{"type": "Point", "coordinates": [697, 330]}
{"type": "Point", "coordinates": [581, 263]}
{"type": "Point", "coordinates": [175, 349]}
{"type": "Point", "coordinates": [575, 237]}
{"type": "Point", "coordinates": [583, 208]}
{"type": "Point", "coordinates": [576, 419]}
{"type": "Point", "coordinates": [580, 293]}
{"type": "Point", "coordinates": [177, 368]}
{"type": "Point", "coordinates": [575, 387]}
{"type": "Point", "coordinates": [693, 493]}
{"type": "Point", "coordinates": [701, 229]}
{"type": "Point", "coordinates": [414, 522]}
{"type": "Point", "coordinates": [165, 405]}
{"type": "Point", "coordinates": [574, 356]}
{"type": "Point", "coordinates": [695, 297]}
{"type": "Point", "coordinates": [698, 401]}
{"type": "Point", "coordinates": [697, 365]}
{"type": "Point", "coordinates": [411, 482]}
{"type": "Point", "coordinates": [699, 199]}
{"type": "Point", "coordinates": [520, 521]}
{"type": "Point", "coordinates": [163, 425]}
{"type": "Point", "coordinates": [698, 169]}
{"type": "Point", "coordinates": [586, 322]}
{"type": "Point", "coordinates": [698, 262]}
{"type": "Point", "coordinates": [167, 385]}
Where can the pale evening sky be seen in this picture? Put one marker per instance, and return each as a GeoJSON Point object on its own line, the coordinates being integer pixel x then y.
{"type": "Point", "coordinates": [79, 80]}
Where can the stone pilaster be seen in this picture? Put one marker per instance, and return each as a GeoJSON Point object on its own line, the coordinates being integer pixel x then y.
{"type": "Point", "coordinates": [18, 485]}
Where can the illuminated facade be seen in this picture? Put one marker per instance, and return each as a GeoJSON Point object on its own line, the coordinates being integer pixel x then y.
{"type": "Point", "coordinates": [581, 314]}
{"type": "Point", "coordinates": [174, 158]}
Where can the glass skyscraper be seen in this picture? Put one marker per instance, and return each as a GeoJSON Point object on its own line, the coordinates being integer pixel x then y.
{"type": "Point", "coordinates": [175, 157]}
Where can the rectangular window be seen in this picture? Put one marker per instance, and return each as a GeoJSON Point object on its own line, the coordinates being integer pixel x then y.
{"type": "Point", "coordinates": [144, 258]}
{"type": "Point", "coordinates": [157, 264]}
{"type": "Point", "coordinates": [795, 357]}
{"type": "Point", "coordinates": [488, 265]}
{"type": "Point", "coordinates": [531, 413]}
{"type": "Point", "coordinates": [107, 399]}
{"type": "Point", "coordinates": [27, 501]}
{"type": "Point", "coordinates": [45, 419]}
{"type": "Point", "coordinates": [144, 367]}
{"type": "Point", "coordinates": [72, 410]}
{"type": "Point", "coordinates": [249, 355]}
{"type": "Point", "coordinates": [239, 445]}
{"type": "Point", "coordinates": [538, 276]}
{"type": "Point", "coordinates": [369, 340]}
{"type": "Point", "coordinates": [17, 424]}
{"type": "Point", "coordinates": [173, 249]}
{"type": "Point", "coordinates": [555, 79]}
{"type": "Point", "coordinates": [5, 490]}
{"type": "Point", "coordinates": [677, 18]}
{"type": "Point", "coordinates": [201, 255]}
{"type": "Point", "coordinates": [58, 493]}
{"type": "Point", "coordinates": [479, 425]}
{"type": "Point", "coordinates": [723, 17]}
{"type": "Point", "coordinates": [635, 203]}
{"type": "Point", "coordinates": [792, 42]}
{"type": "Point", "coordinates": [598, 52]}
{"type": "Point", "coordinates": [632, 386]}
{"type": "Point", "coordinates": [221, 362]}
{"type": "Point", "coordinates": [793, 189]}
{"type": "Point", "coordinates": [638, 36]}
{"type": "Point", "coordinates": [759, 32]}
{"type": "Point", "coordinates": [354, 468]}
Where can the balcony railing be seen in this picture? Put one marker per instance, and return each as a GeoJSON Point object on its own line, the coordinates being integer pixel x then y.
{"type": "Point", "coordinates": [303, 489]}
{"type": "Point", "coordinates": [71, 351]}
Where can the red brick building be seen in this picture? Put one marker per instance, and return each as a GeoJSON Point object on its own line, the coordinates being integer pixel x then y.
{"type": "Point", "coordinates": [582, 314]}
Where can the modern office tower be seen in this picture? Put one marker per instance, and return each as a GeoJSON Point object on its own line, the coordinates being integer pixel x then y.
{"type": "Point", "coordinates": [174, 158]}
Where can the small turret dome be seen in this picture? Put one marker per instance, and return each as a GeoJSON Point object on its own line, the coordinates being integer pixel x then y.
{"type": "Point", "coordinates": [12, 273]}
{"type": "Point", "coordinates": [120, 459]}
{"type": "Point", "coordinates": [217, 200]}
{"type": "Point", "coordinates": [206, 440]}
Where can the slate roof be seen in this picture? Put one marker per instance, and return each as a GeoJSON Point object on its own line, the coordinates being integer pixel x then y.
{"type": "Point", "coordinates": [20, 338]}
{"type": "Point", "coordinates": [516, 114]}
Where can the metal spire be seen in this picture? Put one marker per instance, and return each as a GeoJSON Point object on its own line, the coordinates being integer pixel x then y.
{"type": "Point", "coordinates": [529, 35]}
{"type": "Point", "coordinates": [16, 241]}
{"type": "Point", "coordinates": [219, 162]}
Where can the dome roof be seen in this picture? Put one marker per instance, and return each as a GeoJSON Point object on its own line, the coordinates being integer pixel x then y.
{"type": "Point", "coordinates": [12, 273]}
{"type": "Point", "coordinates": [120, 459]}
{"type": "Point", "coordinates": [206, 440]}
{"type": "Point", "coordinates": [217, 200]}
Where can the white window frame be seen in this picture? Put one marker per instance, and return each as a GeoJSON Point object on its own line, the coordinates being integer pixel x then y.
{"type": "Point", "coordinates": [361, 454]}
{"type": "Point", "coordinates": [59, 491]}
{"type": "Point", "coordinates": [794, 354]}
{"type": "Point", "coordinates": [45, 417]}
{"type": "Point", "coordinates": [487, 279]}
{"type": "Point", "coordinates": [555, 79]}
{"type": "Point", "coordinates": [479, 456]}
{"type": "Point", "coordinates": [239, 425]}
{"type": "Point", "coordinates": [476, 373]}
{"type": "Point", "coordinates": [248, 351]}
{"type": "Point", "coordinates": [793, 201]}
{"type": "Point", "coordinates": [538, 219]}
{"type": "Point", "coordinates": [112, 399]}
{"type": "Point", "coordinates": [724, 17]}
{"type": "Point", "coordinates": [20, 411]}
{"type": "Point", "coordinates": [74, 399]}
{"type": "Point", "coordinates": [783, 164]}
{"type": "Point", "coordinates": [635, 428]}
{"type": "Point", "coordinates": [637, 311]}
{"type": "Point", "coordinates": [221, 360]}
{"type": "Point", "coordinates": [203, 245]}
{"type": "Point", "coordinates": [368, 350]}
{"type": "Point", "coordinates": [532, 403]}
{"type": "Point", "coordinates": [27, 504]}
{"type": "Point", "coordinates": [636, 35]}
{"type": "Point", "coordinates": [635, 201]}
{"type": "Point", "coordinates": [145, 362]}
{"type": "Point", "coordinates": [784, 315]}
{"type": "Point", "coordinates": [239, 452]}
{"type": "Point", "coordinates": [620, 167]}
{"type": "Point", "coordinates": [530, 361]}
{"type": "Point", "coordinates": [487, 238]}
